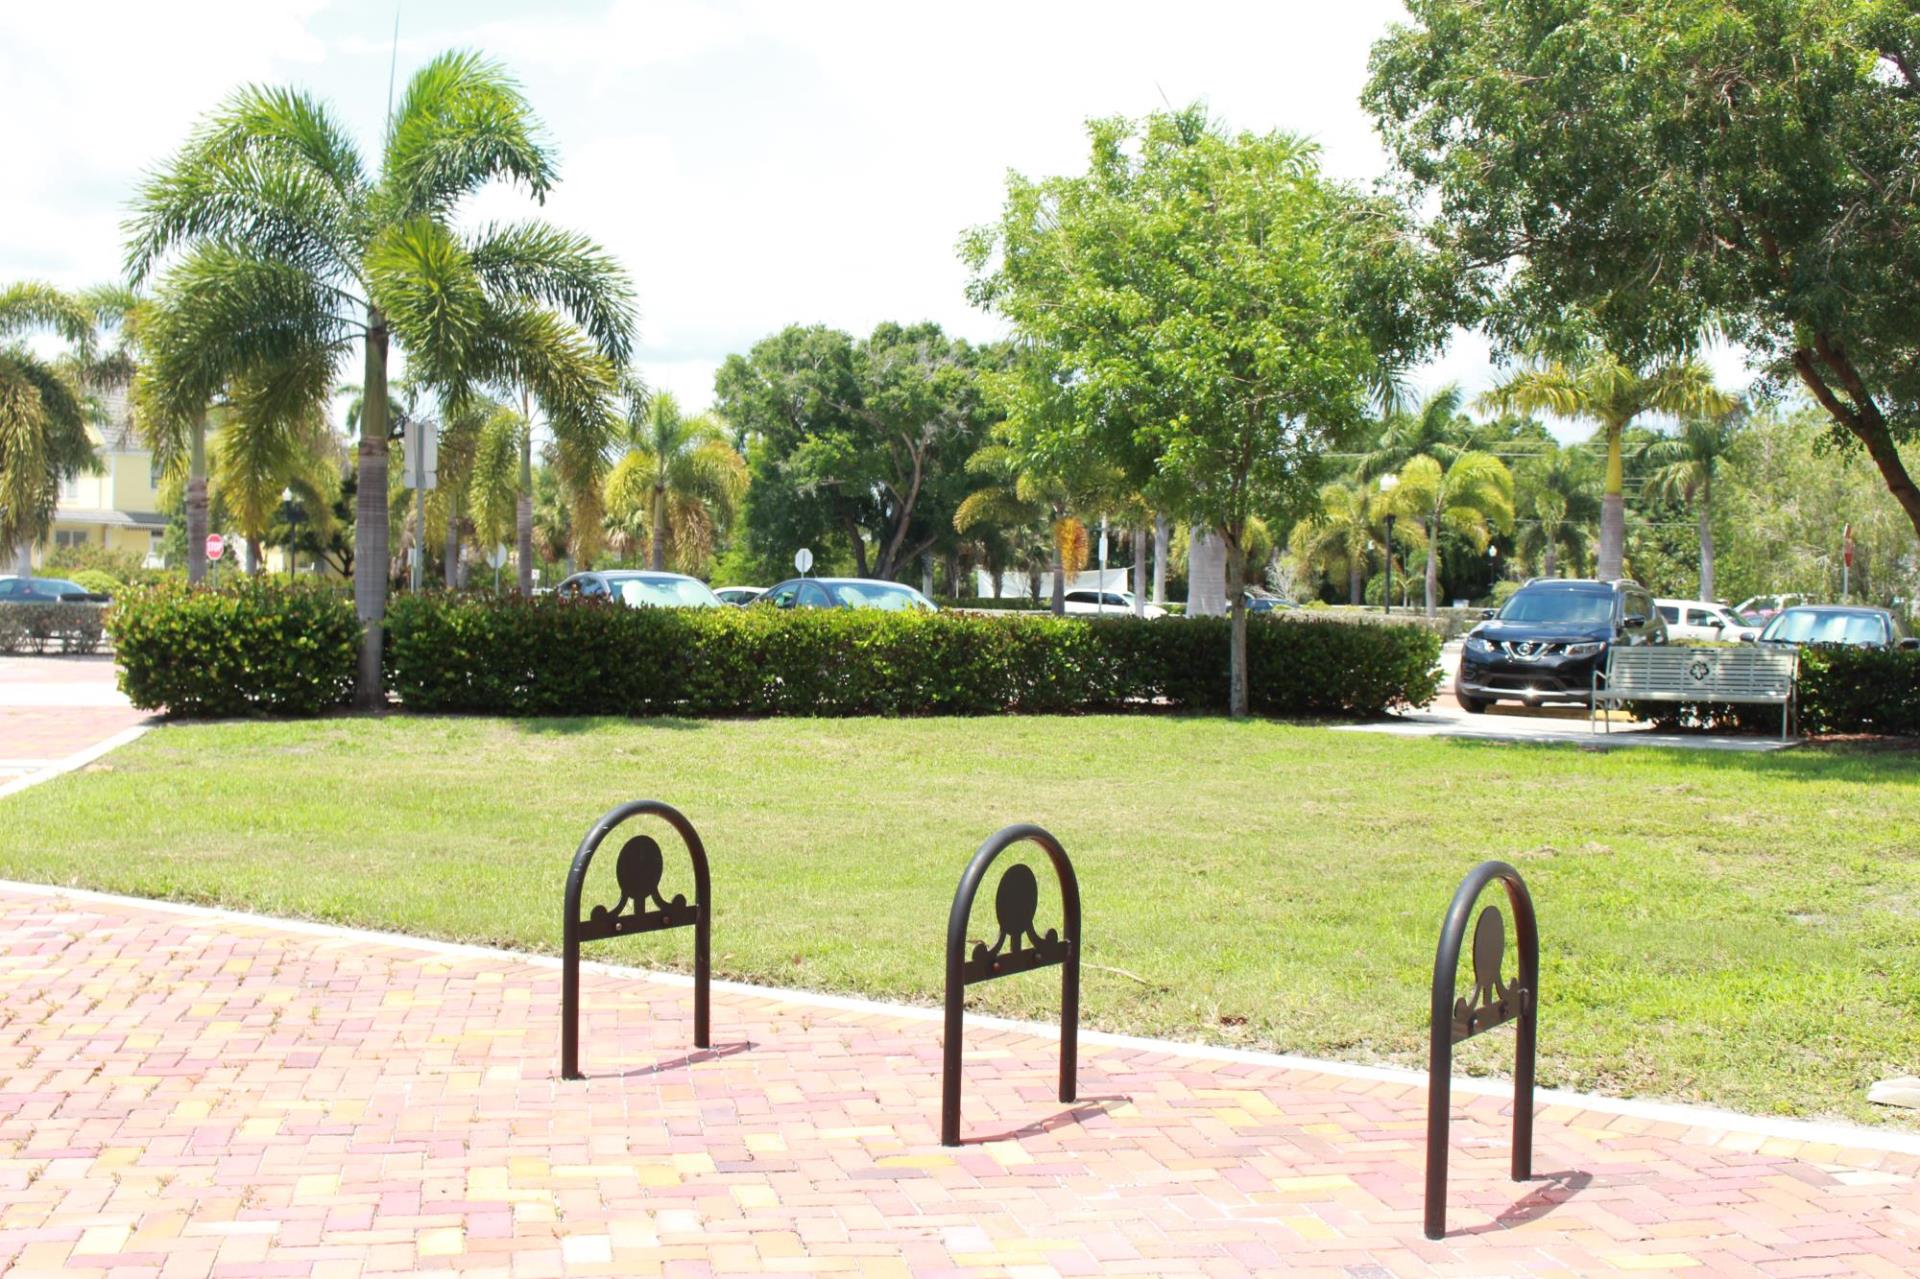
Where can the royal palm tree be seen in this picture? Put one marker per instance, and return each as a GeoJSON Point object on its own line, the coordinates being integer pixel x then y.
{"type": "Point", "coordinates": [1016, 496]}
{"type": "Point", "coordinates": [1471, 497]}
{"type": "Point", "coordinates": [1597, 386]}
{"type": "Point", "coordinates": [286, 253]}
{"type": "Point", "coordinates": [47, 404]}
{"type": "Point", "coordinates": [493, 488]}
{"type": "Point", "coordinates": [1339, 535]}
{"type": "Point", "coordinates": [257, 457]}
{"type": "Point", "coordinates": [1556, 493]}
{"type": "Point", "coordinates": [1684, 469]}
{"type": "Point", "coordinates": [680, 479]}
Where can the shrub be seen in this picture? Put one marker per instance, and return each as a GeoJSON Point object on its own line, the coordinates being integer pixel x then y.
{"type": "Point", "coordinates": [1860, 690]}
{"type": "Point", "coordinates": [98, 582]}
{"type": "Point", "coordinates": [546, 656]}
{"type": "Point", "coordinates": [51, 627]}
{"type": "Point", "coordinates": [249, 648]}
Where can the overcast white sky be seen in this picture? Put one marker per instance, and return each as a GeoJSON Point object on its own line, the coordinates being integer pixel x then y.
{"type": "Point", "coordinates": [754, 163]}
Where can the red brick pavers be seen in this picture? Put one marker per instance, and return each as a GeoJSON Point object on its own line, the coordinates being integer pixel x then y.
{"type": "Point", "coordinates": [55, 707]}
{"type": "Point", "coordinates": [193, 1095]}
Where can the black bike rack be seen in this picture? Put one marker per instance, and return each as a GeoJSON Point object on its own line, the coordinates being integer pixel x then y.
{"type": "Point", "coordinates": [1014, 903]}
{"type": "Point", "coordinates": [638, 871]}
{"type": "Point", "coordinates": [1493, 1003]}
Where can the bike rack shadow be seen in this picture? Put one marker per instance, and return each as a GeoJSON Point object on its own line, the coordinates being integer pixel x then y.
{"type": "Point", "coordinates": [1014, 903]}
{"type": "Point", "coordinates": [638, 872]}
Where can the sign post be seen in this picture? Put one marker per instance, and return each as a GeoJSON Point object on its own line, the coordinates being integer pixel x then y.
{"type": "Point", "coordinates": [421, 449]}
{"type": "Point", "coordinates": [216, 545]}
{"type": "Point", "coordinates": [803, 560]}
{"type": "Point", "coordinates": [1846, 563]}
{"type": "Point", "coordinates": [496, 557]}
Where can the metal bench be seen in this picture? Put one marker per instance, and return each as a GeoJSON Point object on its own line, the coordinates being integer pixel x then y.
{"type": "Point", "coordinates": [1747, 675]}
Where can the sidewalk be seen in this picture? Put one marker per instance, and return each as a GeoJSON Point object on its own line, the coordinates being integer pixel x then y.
{"type": "Point", "coordinates": [190, 1094]}
{"type": "Point", "coordinates": [56, 708]}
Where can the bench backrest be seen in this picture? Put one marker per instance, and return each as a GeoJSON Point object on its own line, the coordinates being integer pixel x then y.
{"type": "Point", "coordinates": [1670, 672]}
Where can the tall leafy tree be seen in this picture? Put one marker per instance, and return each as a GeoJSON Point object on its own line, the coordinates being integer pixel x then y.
{"type": "Point", "coordinates": [1596, 385]}
{"type": "Point", "coordinates": [1219, 315]}
{"type": "Point", "coordinates": [679, 480]}
{"type": "Point", "coordinates": [1470, 497]}
{"type": "Point", "coordinates": [43, 409]}
{"type": "Point", "coordinates": [865, 441]}
{"type": "Point", "coordinates": [284, 253]}
{"type": "Point", "coordinates": [1743, 164]}
{"type": "Point", "coordinates": [1685, 468]}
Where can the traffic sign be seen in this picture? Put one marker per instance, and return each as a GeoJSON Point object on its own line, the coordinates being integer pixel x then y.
{"type": "Point", "coordinates": [803, 559]}
{"type": "Point", "coordinates": [496, 557]}
{"type": "Point", "coordinates": [215, 545]}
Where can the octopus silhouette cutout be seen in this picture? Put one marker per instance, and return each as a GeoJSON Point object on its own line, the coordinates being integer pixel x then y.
{"type": "Point", "coordinates": [1014, 905]}
{"type": "Point", "coordinates": [638, 871]}
{"type": "Point", "coordinates": [1493, 1001]}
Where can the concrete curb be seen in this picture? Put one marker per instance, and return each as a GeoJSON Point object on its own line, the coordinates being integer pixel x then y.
{"type": "Point", "coordinates": [77, 760]}
{"type": "Point", "coordinates": [1851, 1136]}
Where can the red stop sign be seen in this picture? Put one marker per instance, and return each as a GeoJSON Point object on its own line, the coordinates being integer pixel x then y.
{"type": "Point", "coordinates": [215, 545]}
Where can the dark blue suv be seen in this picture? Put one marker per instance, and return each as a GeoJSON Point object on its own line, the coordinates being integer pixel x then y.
{"type": "Point", "coordinates": [1549, 638]}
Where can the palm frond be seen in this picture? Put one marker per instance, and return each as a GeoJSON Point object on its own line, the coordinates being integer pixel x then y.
{"type": "Point", "coordinates": [563, 270]}
{"type": "Point", "coordinates": [461, 124]}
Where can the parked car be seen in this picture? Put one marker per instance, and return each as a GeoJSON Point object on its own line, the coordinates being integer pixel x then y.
{"type": "Point", "coordinates": [46, 590]}
{"type": "Point", "coordinates": [846, 592]}
{"type": "Point", "coordinates": [1692, 620]}
{"type": "Point", "coordinates": [639, 589]}
{"type": "Point", "coordinates": [1259, 601]}
{"type": "Point", "coordinates": [1757, 610]}
{"type": "Point", "coordinates": [1109, 603]}
{"type": "Point", "coordinates": [740, 596]}
{"type": "Point", "coordinates": [1837, 624]}
{"type": "Point", "coordinates": [1549, 638]}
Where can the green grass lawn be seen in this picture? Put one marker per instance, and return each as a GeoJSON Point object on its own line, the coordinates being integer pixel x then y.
{"type": "Point", "coordinates": [1726, 928]}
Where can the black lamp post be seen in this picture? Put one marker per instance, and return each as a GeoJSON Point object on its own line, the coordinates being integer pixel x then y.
{"type": "Point", "coordinates": [1390, 561]}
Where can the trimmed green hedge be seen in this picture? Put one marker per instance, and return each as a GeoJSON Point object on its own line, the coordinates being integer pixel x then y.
{"type": "Point", "coordinates": [550, 657]}
{"type": "Point", "coordinates": [1860, 690]}
{"type": "Point", "coordinates": [66, 626]}
{"type": "Point", "coordinates": [249, 648]}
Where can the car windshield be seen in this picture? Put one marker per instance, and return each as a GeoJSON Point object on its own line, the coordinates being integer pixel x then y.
{"type": "Point", "coordinates": [1582, 608]}
{"type": "Point", "coordinates": [664, 592]}
{"type": "Point", "coordinates": [1810, 626]}
{"type": "Point", "coordinates": [893, 599]}
{"type": "Point", "coordinates": [39, 588]}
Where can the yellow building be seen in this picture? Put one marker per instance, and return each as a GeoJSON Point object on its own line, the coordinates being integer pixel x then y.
{"type": "Point", "coordinates": [118, 508]}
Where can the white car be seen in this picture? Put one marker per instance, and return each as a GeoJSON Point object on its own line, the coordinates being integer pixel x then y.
{"type": "Point", "coordinates": [1689, 621]}
{"type": "Point", "coordinates": [1111, 603]}
{"type": "Point", "coordinates": [740, 596]}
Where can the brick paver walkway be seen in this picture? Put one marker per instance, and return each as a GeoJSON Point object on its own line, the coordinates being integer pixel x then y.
{"type": "Point", "coordinates": [188, 1095]}
{"type": "Point", "coordinates": [54, 707]}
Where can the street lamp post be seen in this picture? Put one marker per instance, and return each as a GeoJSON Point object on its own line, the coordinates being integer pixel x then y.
{"type": "Point", "coordinates": [1387, 484]}
{"type": "Point", "coordinates": [293, 528]}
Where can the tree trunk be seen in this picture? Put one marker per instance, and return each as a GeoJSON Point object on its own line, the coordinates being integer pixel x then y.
{"type": "Point", "coordinates": [256, 557]}
{"type": "Point", "coordinates": [1356, 583]}
{"type": "Point", "coordinates": [523, 507]}
{"type": "Point", "coordinates": [370, 545]}
{"type": "Point", "coordinates": [657, 550]}
{"type": "Point", "coordinates": [1549, 559]}
{"type": "Point", "coordinates": [1140, 570]}
{"type": "Point", "coordinates": [1237, 610]}
{"type": "Point", "coordinates": [452, 556]}
{"type": "Point", "coordinates": [1433, 567]}
{"type": "Point", "coordinates": [926, 574]}
{"type": "Point", "coordinates": [197, 503]}
{"type": "Point", "coordinates": [1706, 538]}
{"type": "Point", "coordinates": [1613, 509]}
{"type": "Point", "coordinates": [1865, 420]}
{"type": "Point", "coordinates": [1160, 537]}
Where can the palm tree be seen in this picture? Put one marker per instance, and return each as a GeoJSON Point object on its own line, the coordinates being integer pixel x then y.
{"type": "Point", "coordinates": [1598, 386]}
{"type": "Point", "coordinates": [1471, 497]}
{"type": "Point", "coordinates": [1436, 429]}
{"type": "Point", "coordinates": [1016, 496]}
{"type": "Point", "coordinates": [1555, 490]}
{"type": "Point", "coordinates": [1685, 467]}
{"type": "Point", "coordinates": [493, 488]}
{"type": "Point", "coordinates": [43, 411]}
{"type": "Point", "coordinates": [1339, 534]}
{"type": "Point", "coordinates": [258, 456]}
{"type": "Point", "coordinates": [290, 253]}
{"type": "Point", "coordinates": [680, 476]}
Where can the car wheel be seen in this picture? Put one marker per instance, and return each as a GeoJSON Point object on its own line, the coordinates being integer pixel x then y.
{"type": "Point", "coordinates": [1472, 705]}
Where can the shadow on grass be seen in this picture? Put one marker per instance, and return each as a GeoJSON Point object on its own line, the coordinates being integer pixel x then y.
{"type": "Point", "coordinates": [574, 725]}
{"type": "Point", "coordinates": [1840, 762]}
